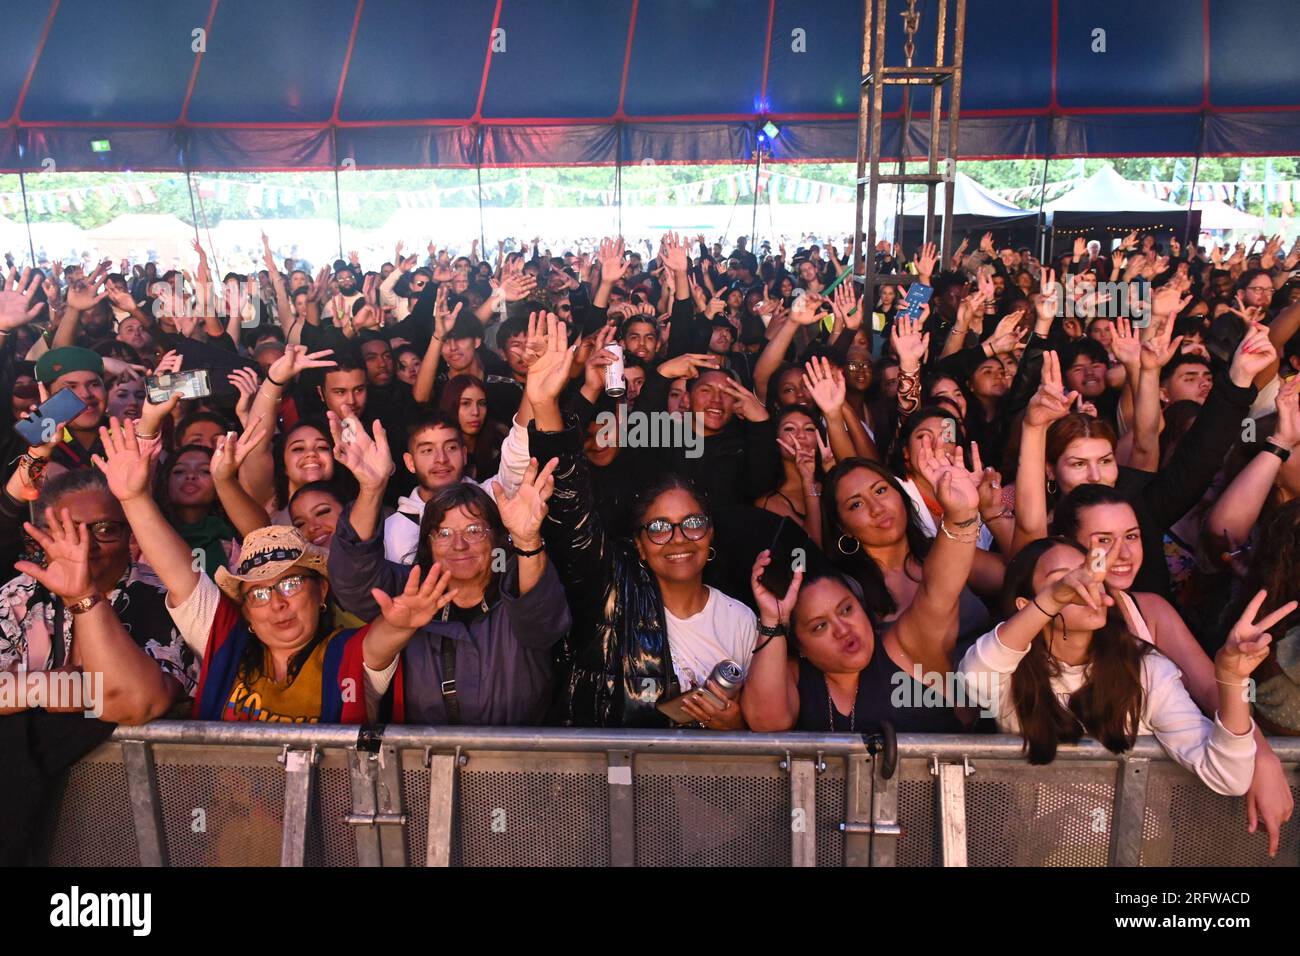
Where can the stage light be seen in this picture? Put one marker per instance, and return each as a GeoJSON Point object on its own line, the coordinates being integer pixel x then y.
{"type": "Point", "coordinates": [100, 146]}
{"type": "Point", "coordinates": [771, 129]}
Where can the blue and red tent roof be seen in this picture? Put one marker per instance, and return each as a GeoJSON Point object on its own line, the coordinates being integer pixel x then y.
{"type": "Point", "coordinates": [315, 84]}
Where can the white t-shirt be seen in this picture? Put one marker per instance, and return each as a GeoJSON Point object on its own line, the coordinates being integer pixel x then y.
{"type": "Point", "coordinates": [1223, 760]}
{"type": "Point", "coordinates": [724, 630]}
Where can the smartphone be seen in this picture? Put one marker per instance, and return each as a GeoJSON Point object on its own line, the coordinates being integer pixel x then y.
{"type": "Point", "coordinates": [675, 712]}
{"type": "Point", "coordinates": [190, 384]}
{"type": "Point", "coordinates": [917, 296]}
{"type": "Point", "coordinates": [59, 409]}
{"type": "Point", "coordinates": [787, 548]}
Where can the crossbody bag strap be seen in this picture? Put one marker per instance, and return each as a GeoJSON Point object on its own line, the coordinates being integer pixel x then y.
{"type": "Point", "coordinates": [449, 698]}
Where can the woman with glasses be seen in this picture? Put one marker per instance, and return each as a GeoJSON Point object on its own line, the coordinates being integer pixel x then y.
{"type": "Point", "coordinates": [485, 658]}
{"type": "Point", "coordinates": [646, 628]}
{"type": "Point", "coordinates": [269, 652]}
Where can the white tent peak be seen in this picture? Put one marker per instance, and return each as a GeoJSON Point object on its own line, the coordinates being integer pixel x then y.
{"type": "Point", "coordinates": [1107, 190]}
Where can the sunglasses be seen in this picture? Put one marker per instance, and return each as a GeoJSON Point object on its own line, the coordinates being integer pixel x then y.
{"type": "Point", "coordinates": [288, 587]}
{"type": "Point", "coordinates": [660, 530]}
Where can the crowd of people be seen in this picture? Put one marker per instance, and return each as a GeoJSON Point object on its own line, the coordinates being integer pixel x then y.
{"type": "Point", "coordinates": [397, 495]}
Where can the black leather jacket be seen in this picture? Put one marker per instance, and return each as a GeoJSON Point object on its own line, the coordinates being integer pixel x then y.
{"type": "Point", "coordinates": [615, 665]}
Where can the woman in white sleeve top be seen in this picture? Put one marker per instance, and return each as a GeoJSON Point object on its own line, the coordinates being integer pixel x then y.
{"type": "Point", "coordinates": [1064, 665]}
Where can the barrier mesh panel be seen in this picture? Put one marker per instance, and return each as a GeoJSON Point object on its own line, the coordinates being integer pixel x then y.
{"type": "Point", "coordinates": [705, 816]}
{"type": "Point", "coordinates": [95, 826]}
{"type": "Point", "coordinates": [1187, 824]}
{"type": "Point", "coordinates": [532, 818]}
{"type": "Point", "coordinates": [332, 842]}
{"type": "Point", "coordinates": [916, 817]}
{"type": "Point", "coordinates": [831, 812]}
{"type": "Point", "coordinates": [221, 816]}
{"type": "Point", "coordinates": [415, 804]}
{"type": "Point", "coordinates": [1062, 818]}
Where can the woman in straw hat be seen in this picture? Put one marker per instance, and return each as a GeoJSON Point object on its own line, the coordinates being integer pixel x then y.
{"type": "Point", "coordinates": [269, 653]}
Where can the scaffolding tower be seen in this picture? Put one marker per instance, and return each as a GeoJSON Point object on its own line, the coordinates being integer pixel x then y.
{"type": "Point", "coordinates": [876, 75]}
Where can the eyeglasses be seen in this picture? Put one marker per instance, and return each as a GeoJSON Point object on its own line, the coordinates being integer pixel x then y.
{"type": "Point", "coordinates": [857, 366]}
{"type": "Point", "coordinates": [472, 533]}
{"type": "Point", "coordinates": [660, 530]}
{"type": "Point", "coordinates": [1259, 288]}
{"type": "Point", "coordinates": [105, 532]}
{"type": "Point", "coordinates": [288, 587]}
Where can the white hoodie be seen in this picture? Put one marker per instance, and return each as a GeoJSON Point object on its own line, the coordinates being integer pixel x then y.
{"type": "Point", "coordinates": [402, 528]}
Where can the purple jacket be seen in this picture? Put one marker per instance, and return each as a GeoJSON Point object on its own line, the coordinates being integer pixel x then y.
{"type": "Point", "coordinates": [503, 658]}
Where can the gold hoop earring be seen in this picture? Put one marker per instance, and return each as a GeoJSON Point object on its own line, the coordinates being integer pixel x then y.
{"type": "Point", "coordinates": [857, 545]}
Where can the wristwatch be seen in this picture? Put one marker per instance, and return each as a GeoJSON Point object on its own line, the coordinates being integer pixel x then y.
{"type": "Point", "coordinates": [85, 604]}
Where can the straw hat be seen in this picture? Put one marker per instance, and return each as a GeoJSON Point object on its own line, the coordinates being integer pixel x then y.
{"type": "Point", "coordinates": [268, 553]}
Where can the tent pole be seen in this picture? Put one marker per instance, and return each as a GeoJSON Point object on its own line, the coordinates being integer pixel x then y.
{"type": "Point", "coordinates": [478, 179]}
{"type": "Point", "coordinates": [1042, 196]}
{"type": "Point", "coordinates": [618, 175]}
{"type": "Point", "coordinates": [758, 165]}
{"type": "Point", "coordinates": [1191, 192]}
{"type": "Point", "coordinates": [338, 199]}
{"type": "Point", "coordinates": [27, 218]}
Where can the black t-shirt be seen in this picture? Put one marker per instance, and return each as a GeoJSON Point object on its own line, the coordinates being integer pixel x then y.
{"type": "Point", "coordinates": [885, 693]}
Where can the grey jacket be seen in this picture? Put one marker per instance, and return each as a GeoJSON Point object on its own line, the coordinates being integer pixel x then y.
{"type": "Point", "coordinates": [503, 659]}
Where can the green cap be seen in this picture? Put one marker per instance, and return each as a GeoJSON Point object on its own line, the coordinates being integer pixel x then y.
{"type": "Point", "coordinates": [70, 358]}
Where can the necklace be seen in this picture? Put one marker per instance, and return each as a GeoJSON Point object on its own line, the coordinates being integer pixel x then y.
{"type": "Point", "coordinates": [830, 708]}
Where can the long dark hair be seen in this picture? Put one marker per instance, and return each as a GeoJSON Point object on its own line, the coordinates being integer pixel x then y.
{"type": "Point", "coordinates": [647, 495]}
{"type": "Point", "coordinates": [1108, 705]}
{"type": "Point", "coordinates": [915, 420]}
{"type": "Point", "coordinates": [859, 565]}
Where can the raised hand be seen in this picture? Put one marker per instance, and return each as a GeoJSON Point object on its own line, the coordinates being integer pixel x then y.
{"type": "Point", "coordinates": [1126, 344]}
{"type": "Point", "coordinates": [82, 297]}
{"type": "Point", "coordinates": [418, 602]}
{"type": "Point", "coordinates": [673, 253]}
{"type": "Point", "coordinates": [231, 450]}
{"type": "Point", "coordinates": [845, 305]}
{"type": "Point", "coordinates": [1286, 434]}
{"type": "Point", "coordinates": [296, 360]}
{"type": "Point", "coordinates": [748, 406]}
{"type": "Point", "coordinates": [956, 488]}
{"type": "Point", "coordinates": [1085, 586]}
{"type": "Point", "coordinates": [523, 512]}
{"type": "Point", "coordinates": [549, 373]}
{"type": "Point", "coordinates": [246, 383]}
{"type": "Point", "coordinates": [66, 544]}
{"type": "Point", "coordinates": [825, 383]}
{"type": "Point", "coordinates": [1008, 334]}
{"type": "Point", "coordinates": [367, 457]}
{"type": "Point", "coordinates": [1051, 401]}
{"type": "Point", "coordinates": [1247, 643]}
{"type": "Point", "coordinates": [600, 358]}
{"type": "Point", "coordinates": [773, 608]}
{"type": "Point", "coordinates": [911, 345]}
{"type": "Point", "coordinates": [16, 305]}
{"type": "Point", "coordinates": [126, 467]}
{"type": "Point", "coordinates": [689, 365]}
{"type": "Point", "coordinates": [926, 260]}
{"type": "Point", "coordinates": [1254, 354]}
{"type": "Point", "coordinates": [610, 256]}
{"type": "Point", "coordinates": [804, 309]}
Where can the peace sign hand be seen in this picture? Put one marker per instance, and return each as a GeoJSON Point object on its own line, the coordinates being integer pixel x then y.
{"type": "Point", "coordinates": [1051, 402]}
{"type": "Point", "coordinates": [1247, 643]}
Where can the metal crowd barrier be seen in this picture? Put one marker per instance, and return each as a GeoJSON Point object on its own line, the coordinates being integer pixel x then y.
{"type": "Point", "coordinates": [214, 794]}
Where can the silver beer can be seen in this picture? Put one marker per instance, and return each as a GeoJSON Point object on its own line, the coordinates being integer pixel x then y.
{"type": "Point", "coordinates": [728, 675]}
{"type": "Point", "coordinates": [615, 386]}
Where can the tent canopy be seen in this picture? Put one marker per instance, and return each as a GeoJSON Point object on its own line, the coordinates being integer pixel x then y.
{"type": "Point", "coordinates": [326, 84]}
{"type": "Point", "coordinates": [1108, 191]}
{"type": "Point", "coordinates": [1106, 205]}
{"type": "Point", "coordinates": [974, 210]}
{"type": "Point", "coordinates": [1217, 215]}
